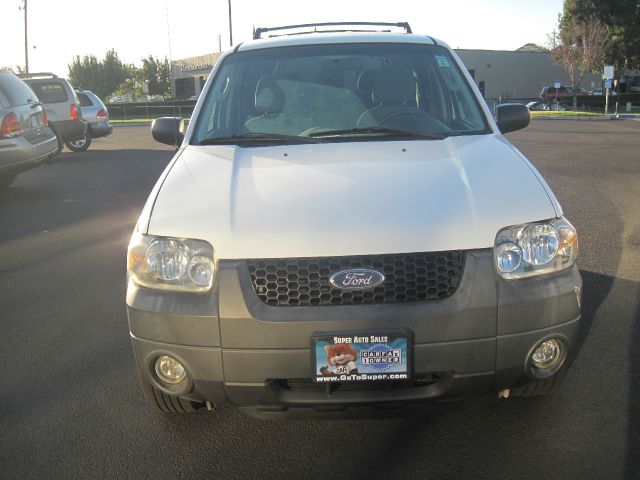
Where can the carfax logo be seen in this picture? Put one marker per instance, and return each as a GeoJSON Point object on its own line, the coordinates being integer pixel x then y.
{"type": "Point", "coordinates": [380, 357]}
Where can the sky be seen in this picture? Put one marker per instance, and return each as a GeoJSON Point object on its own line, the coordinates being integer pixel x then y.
{"type": "Point", "coordinates": [60, 29]}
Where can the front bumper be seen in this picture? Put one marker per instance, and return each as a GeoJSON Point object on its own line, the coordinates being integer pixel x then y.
{"type": "Point", "coordinates": [239, 350]}
{"type": "Point", "coordinates": [18, 154]}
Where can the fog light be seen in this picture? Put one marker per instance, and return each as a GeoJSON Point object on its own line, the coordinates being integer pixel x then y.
{"type": "Point", "coordinates": [170, 370]}
{"type": "Point", "coordinates": [547, 355]}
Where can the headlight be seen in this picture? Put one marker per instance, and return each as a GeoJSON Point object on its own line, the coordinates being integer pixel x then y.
{"type": "Point", "coordinates": [179, 264]}
{"type": "Point", "coordinates": [535, 248]}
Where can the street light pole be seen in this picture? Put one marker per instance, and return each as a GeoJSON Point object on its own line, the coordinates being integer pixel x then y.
{"type": "Point", "coordinates": [230, 29]}
{"type": "Point", "coordinates": [26, 44]}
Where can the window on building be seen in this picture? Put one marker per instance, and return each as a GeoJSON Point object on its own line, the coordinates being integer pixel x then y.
{"type": "Point", "coordinates": [185, 87]}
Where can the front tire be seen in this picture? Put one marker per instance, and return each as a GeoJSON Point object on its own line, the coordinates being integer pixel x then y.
{"type": "Point", "coordinates": [160, 401]}
{"type": "Point", "coordinates": [539, 387]}
{"type": "Point", "coordinates": [81, 144]}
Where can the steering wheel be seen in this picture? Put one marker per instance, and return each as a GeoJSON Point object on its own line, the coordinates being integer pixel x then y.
{"type": "Point", "coordinates": [311, 130]}
{"type": "Point", "coordinates": [405, 112]}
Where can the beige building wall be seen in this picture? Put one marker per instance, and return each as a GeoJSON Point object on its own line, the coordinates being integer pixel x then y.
{"type": "Point", "coordinates": [517, 75]}
{"type": "Point", "coordinates": [504, 74]}
{"type": "Point", "coordinates": [190, 74]}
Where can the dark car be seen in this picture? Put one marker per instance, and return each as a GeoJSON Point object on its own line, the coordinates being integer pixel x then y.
{"type": "Point", "coordinates": [25, 139]}
{"type": "Point", "coordinates": [61, 105]}
{"type": "Point", "coordinates": [545, 106]}
{"type": "Point", "coordinates": [548, 93]}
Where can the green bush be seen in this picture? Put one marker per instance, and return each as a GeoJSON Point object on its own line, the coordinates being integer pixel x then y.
{"type": "Point", "coordinates": [178, 108]}
{"type": "Point", "coordinates": [596, 103]}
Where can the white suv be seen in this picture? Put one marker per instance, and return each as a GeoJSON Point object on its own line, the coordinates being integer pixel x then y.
{"type": "Point", "coordinates": [345, 225]}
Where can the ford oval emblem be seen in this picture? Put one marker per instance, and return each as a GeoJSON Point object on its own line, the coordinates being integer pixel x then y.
{"type": "Point", "coordinates": [356, 279]}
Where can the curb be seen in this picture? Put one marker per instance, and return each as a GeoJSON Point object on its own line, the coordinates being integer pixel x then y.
{"type": "Point", "coordinates": [599, 118]}
{"type": "Point", "coordinates": [130, 124]}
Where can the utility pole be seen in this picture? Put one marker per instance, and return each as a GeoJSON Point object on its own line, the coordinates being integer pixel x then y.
{"type": "Point", "coordinates": [230, 29]}
{"type": "Point", "coordinates": [26, 43]}
{"type": "Point", "coordinates": [219, 42]}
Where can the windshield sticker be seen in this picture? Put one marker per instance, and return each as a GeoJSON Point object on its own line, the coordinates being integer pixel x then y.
{"type": "Point", "coordinates": [442, 61]}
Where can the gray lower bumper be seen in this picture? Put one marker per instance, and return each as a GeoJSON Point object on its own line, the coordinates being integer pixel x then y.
{"type": "Point", "coordinates": [18, 154]}
{"type": "Point", "coordinates": [101, 129]}
{"type": "Point", "coordinates": [70, 130]}
{"type": "Point", "coordinates": [241, 351]}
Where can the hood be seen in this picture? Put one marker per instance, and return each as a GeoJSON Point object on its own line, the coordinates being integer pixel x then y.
{"type": "Point", "coordinates": [334, 199]}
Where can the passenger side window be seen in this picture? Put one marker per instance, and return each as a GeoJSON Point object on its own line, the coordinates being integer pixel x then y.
{"type": "Point", "coordinates": [304, 106]}
{"type": "Point", "coordinates": [85, 101]}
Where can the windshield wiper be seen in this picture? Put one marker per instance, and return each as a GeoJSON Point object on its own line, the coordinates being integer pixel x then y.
{"type": "Point", "coordinates": [255, 137]}
{"type": "Point", "coordinates": [379, 131]}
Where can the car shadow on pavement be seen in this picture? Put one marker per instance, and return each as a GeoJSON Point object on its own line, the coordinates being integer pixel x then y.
{"type": "Point", "coordinates": [616, 303]}
{"type": "Point", "coordinates": [633, 437]}
{"type": "Point", "coordinates": [77, 188]}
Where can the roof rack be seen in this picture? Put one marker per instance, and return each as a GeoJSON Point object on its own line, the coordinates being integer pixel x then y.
{"type": "Point", "coordinates": [257, 33]}
{"type": "Point", "coordinates": [38, 75]}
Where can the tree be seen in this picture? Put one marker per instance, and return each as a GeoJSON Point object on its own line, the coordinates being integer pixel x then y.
{"type": "Point", "coordinates": [114, 72]}
{"type": "Point", "coordinates": [157, 74]}
{"type": "Point", "coordinates": [579, 47]}
{"type": "Point", "coordinates": [102, 77]}
{"type": "Point", "coordinates": [133, 83]}
{"type": "Point", "coordinates": [18, 69]}
{"type": "Point", "coordinates": [623, 19]}
{"type": "Point", "coordinates": [164, 72]}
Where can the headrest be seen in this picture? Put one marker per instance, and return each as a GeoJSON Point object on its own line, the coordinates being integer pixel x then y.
{"type": "Point", "coordinates": [393, 86]}
{"type": "Point", "coordinates": [269, 96]}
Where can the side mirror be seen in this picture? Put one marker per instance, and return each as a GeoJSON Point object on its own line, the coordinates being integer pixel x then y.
{"type": "Point", "coordinates": [512, 117]}
{"type": "Point", "coordinates": [168, 130]}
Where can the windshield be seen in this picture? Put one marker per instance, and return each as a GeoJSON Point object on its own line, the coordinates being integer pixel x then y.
{"type": "Point", "coordinates": [338, 92]}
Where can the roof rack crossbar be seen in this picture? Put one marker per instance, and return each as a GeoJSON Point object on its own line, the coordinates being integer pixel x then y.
{"type": "Point", "coordinates": [37, 75]}
{"type": "Point", "coordinates": [257, 34]}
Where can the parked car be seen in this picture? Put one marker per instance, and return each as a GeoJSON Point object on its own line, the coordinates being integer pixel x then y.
{"type": "Point", "coordinates": [61, 105]}
{"type": "Point", "coordinates": [25, 139]}
{"type": "Point", "coordinates": [546, 106]}
{"type": "Point", "coordinates": [315, 246]}
{"type": "Point", "coordinates": [634, 83]}
{"type": "Point", "coordinates": [549, 93]}
{"type": "Point", "coordinates": [95, 113]}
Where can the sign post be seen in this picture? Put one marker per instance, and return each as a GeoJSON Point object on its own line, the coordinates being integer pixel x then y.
{"type": "Point", "coordinates": [607, 76]}
{"type": "Point", "coordinates": [145, 90]}
{"type": "Point", "coordinates": [556, 85]}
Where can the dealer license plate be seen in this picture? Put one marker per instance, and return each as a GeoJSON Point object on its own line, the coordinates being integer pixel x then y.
{"type": "Point", "coordinates": [360, 357]}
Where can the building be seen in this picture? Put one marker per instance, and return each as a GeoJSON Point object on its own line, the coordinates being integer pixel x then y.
{"type": "Point", "coordinates": [500, 74]}
{"type": "Point", "coordinates": [519, 74]}
{"type": "Point", "coordinates": [190, 74]}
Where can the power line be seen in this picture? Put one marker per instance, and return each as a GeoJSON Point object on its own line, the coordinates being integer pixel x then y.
{"type": "Point", "coordinates": [26, 42]}
{"type": "Point", "coordinates": [230, 28]}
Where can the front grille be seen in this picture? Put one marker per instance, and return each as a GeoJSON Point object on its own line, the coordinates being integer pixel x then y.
{"type": "Point", "coordinates": [409, 278]}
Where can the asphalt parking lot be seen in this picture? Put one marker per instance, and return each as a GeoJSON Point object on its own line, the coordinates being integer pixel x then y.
{"type": "Point", "coordinates": [70, 406]}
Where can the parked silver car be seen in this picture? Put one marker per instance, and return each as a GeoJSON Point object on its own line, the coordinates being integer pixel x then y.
{"type": "Point", "coordinates": [95, 113]}
{"type": "Point", "coordinates": [61, 105]}
{"type": "Point", "coordinates": [25, 139]}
